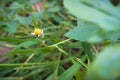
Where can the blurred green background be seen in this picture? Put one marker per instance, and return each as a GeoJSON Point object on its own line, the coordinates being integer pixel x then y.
{"type": "Point", "coordinates": [81, 40]}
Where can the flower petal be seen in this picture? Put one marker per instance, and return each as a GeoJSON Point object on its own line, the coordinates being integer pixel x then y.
{"type": "Point", "coordinates": [32, 33]}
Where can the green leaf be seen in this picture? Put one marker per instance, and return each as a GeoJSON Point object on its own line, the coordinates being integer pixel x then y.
{"type": "Point", "coordinates": [118, 7]}
{"type": "Point", "coordinates": [80, 75]}
{"type": "Point", "coordinates": [79, 22]}
{"type": "Point", "coordinates": [28, 51]}
{"type": "Point", "coordinates": [5, 70]}
{"type": "Point", "coordinates": [29, 20]}
{"type": "Point", "coordinates": [12, 26]}
{"type": "Point", "coordinates": [57, 19]}
{"type": "Point", "coordinates": [68, 74]}
{"type": "Point", "coordinates": [31, 51]}
{"type": "Point", "coordinates": [21, 20]}
{"type": "Point", "coordinates": [87, 13]}
{"type": "Point", "coordinates": [26, 44]}
{"type": "Point", "coordinates": [85, 32]}
{"type": "Point", "coordinates": [106, 65]}
{"type": "Point", "coordinates": [54, 9]}
{"type": "Point", "coordinates": [16, 5]}
{"type": "Point", "coordinates": [75, 44]}
{"type": "Point", "coordinates": [88, 50]}
{"type": "Point", "coordinates": [104, 6]}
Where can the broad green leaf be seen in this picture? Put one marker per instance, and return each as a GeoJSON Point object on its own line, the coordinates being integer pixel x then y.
{"type": "Point", "coordinates": [68, 74]}
{"type": "Point", "coordinates": [104, 6]}
{"type": "Point", "coordinates": [57, 19]}
{"type": "Point", "coordinates": [22, 20]}
{"type": "Point", "coordinates": [85, 32]}
{"type": "Point", "coordinates": [106, 65]}
{"type": "Point", "coordinates": [114, 36]}
{"type": "Point", "coordinates": [83, 11]}
{"type": "Point", "coordinates": [12, 26]}
{"type": "Point", "coordinates": [118, 7]}
{"type": "Point", "coordinates": [80, 22]}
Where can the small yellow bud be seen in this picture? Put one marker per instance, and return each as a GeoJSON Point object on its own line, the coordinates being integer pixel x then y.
{"type": "Point", "coordinates": [37, 32]}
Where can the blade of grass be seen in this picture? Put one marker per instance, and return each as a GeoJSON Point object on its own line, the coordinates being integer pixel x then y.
{"type": "Point", "coordinates": [27, 64]}
{"type": "Point", "coordinates": [69, 73]}
{"type": "Point", "coordinates": [88, 50]}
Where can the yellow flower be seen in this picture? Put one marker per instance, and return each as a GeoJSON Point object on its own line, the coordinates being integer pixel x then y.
{"type": "Point", "coordinates": [38, 32]}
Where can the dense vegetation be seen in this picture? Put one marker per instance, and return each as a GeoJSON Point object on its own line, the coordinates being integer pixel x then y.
{"type": "Point", "coordinates": [73, 40]}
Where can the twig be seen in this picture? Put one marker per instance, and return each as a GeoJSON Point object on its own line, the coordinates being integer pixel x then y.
{"type": "Point", "coordinates": [94, 48]}
{"type": "Point", "coordinates": [29, 58]}
{"type": "Point", "coordinates": [59, 43]}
